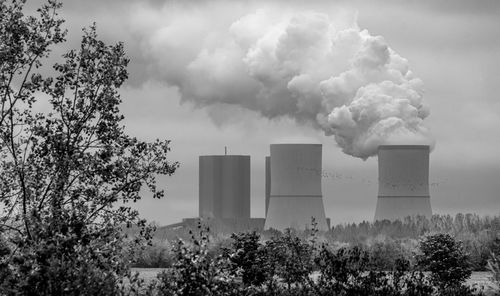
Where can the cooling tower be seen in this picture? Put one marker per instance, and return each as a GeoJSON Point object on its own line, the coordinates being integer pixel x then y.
{"type": "Point", "coordinates": [224, 188]}
{"type": "Point", "coordinates": [295, 195]}
{"type": "Point", "coordinates": [403, 172]}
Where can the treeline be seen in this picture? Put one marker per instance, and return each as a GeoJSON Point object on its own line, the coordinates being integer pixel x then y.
{"type": "Point", "coordinates": [479, 235]}
{"type": "Point", "coordinates": [459, 226]}
{"type": "Point", "coordinates": [384, 241]}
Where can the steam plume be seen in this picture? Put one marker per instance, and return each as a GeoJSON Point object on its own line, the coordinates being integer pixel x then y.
{"type": "Point", "coordinates": [320, 71]}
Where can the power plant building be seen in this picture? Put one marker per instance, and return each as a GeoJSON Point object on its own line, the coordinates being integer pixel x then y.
{"type": "Point", "coordinates": [224, 187]}
{"type": "Point", "coordinates": [403, 190]}
{"type": "Point", "coordinates": [268, 181]}
{"type": "Point", "coordinates": [293, 193]}
{"type": "Point", "coordinates": [295, 187]}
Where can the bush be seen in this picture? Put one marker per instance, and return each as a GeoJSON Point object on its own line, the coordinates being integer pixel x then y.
{"type": "Point", "coordinates": [157, 255]}
{"type": "Point", "coordinates": [247, 258]}
{"type": "Point", "coordinates": [383, 255]}
{"type": "Point", "coordinates": [290, 259]}
{"type": "Point", "coordinates": [494, 268]}
{"type": "Point", "coordinates": [445, 259]}
{"type": "Point", "coordinates": [346, 272]}
{"type": "Point", "coordinates": [195, 272]}
{"type": "Point", "coordinates": [59, 264]}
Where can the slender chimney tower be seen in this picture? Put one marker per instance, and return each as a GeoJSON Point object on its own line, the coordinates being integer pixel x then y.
{"type": "Point", "coordinates": [403, 190]}
{"type": "Point", "coordinates": [295, 187]}
{"type": "Point", "coordinates": [268, 181]}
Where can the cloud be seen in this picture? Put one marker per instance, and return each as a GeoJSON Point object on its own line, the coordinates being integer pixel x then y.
{"type": "Point", "coordinates": [327, 73]}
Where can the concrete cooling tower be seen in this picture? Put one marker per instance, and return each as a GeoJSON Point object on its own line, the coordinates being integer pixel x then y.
{"type": "Point", "coordinates": [403, 189]}
{"type": "Point", "coordinates": [224, 188]}
{"type": "Point", "coordinates": [295, 193]}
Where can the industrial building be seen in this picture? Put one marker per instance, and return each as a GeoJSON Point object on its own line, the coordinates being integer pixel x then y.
{"type": "Point", "coordinates": [403, 189]}
{"type": "Point", "coordinates": [224, 186]}
{"type": "Point", "coordinates": [268, 181]}
{"type": "Point", "coordinates": [224, 194]}
{"type": "Point", "coordinates": [295, 195]}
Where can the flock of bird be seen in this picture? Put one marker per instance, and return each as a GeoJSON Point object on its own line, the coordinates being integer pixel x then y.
{"type": "Point", "coordinates": [339, 176]}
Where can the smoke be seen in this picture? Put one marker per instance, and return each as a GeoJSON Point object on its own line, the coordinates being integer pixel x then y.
{"type": "Point", "coordinates": [318, 70]}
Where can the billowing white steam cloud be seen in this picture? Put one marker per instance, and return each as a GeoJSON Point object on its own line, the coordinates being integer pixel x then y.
{"type": "Point", "coordinates": [336, 77]}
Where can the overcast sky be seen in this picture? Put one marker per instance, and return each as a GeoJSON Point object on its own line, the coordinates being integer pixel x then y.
{"type": "Point", "coordinates": [452, 49]}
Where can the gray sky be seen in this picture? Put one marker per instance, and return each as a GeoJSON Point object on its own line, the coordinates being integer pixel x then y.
{"type": "Point", "coordinates": [452, 46]}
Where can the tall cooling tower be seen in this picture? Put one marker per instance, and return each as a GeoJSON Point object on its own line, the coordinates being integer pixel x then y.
{"type": "Point", "coordinates": [295, 195]}
{"type": "Point", "coordinates": [224, 188]}
{"type": "Point", "coordinates": [403, 172]}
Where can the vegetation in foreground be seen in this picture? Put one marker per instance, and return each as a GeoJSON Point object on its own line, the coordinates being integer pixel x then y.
{"type": "Point", "coordinates": [289, 265]}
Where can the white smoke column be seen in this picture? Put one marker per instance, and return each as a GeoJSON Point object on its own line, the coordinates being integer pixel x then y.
{"type": "Point", "coordinates": [326, 73]}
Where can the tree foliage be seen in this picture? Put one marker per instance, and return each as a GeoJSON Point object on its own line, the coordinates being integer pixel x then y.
{"type": "Point", "coordinates": [248, 258]}
{"type": "Point", "coordinates": [195, 272]}
{"type": "Point", "coordinates": [494, 268]}
{"type": "Point", "coordinates": [446, 260]}
{"type": "Point", "coordinates": [67, 166]}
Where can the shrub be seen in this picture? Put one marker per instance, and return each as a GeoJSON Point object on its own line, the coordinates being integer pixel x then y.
{"type": "Point", "coordinates": [346, 272]}
{"type": "Point", "coordinates": [445, 259]}
{"type": "Point", "coordinates": [59, 264]}
{"type": "Point", "coordinates": [247, 258]}
{"type": "Point", "coordinates": [290, 259]}
{"type": "Point", "coordinates": [494, 268]}
{"type": "Point", "coordinates": [340, 270]}
{"type": "Point", "coordinates": [383, 254]}
{"type": "Point", "coordinates": [157, 255]}
{"type": "Point", "coordinates": [195, 272]}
